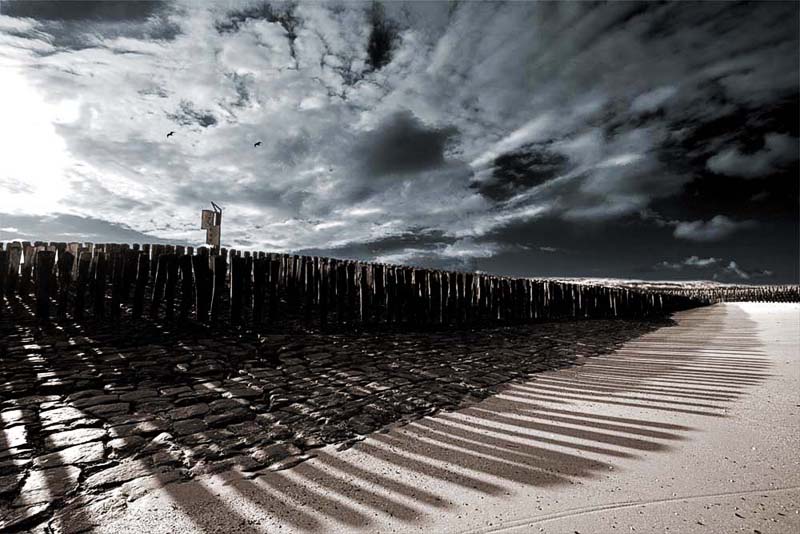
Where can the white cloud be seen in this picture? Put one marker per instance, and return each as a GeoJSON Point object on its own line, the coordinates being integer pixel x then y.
{"type": "Point", "coordinates": [779, 149]}
{"type": "Point", "coordinates": [695, 261]}
{"type": "Point", "coordinates": [734, 268]}
{"type": "Point", "coordinates": [691, 261]}
{"type": "Point", "coordinates": [537, 129]}
{"type": "Point", "coordinates": [715, 229]}
{"type": "Point", "coordinates": [653, 100]}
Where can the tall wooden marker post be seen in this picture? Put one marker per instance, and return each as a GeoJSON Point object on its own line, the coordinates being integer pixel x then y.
{"type": "Point", "coordinates": [211, 222]}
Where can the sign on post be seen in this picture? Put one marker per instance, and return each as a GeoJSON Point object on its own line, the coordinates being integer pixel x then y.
{"type": "Point", "coordinates": [211, 222]}
{"type": "Point", "coordinates": [207, 219]}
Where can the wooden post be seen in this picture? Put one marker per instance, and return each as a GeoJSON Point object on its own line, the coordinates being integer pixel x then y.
{"type": "Point", "coordinates": [468, 297]}
{"type": "Point", "coordinates": [308, 287]}
{"type": "Point", "coordinates": [341, 291]}
{"type": "Point", "coordinates": [185, 263]}
{"type": "Point", "coordinates": [3, 277]}
{"type": "Point", "coordinates": [12, 269]}
{"type": "Point", "coordinates": [24, 284]}
{"type": "Point", "coordinates": [236, 290]}
{"type": "Point", "coordinates": [436, 297]}
{"type": "Point", "coordinates": [247, 284]}
{"type": "Point", "coordinates": [44, 266]}
{"type": "Point", "coordinates": [393, 292]}
{"type": "Point", "coordinates": [388, 299]}
{"type": "Point", "coordinates": [260, 267]}
{"type": "Point", "coordinates": [171, 285]}
{"type": "Point", "coordinates": [65, 263]}
{"type": "Point", "coordinates": [156, 251]}
{"type": "Point", "coordinates": [365, 294]}
{"type": "Point", "coordinates": [350, 303]}
{"type": "Point", "coordinates": [452, 297]}
{"type": "Point", "coordinates": [378, 292]}
{"type": "Point", "coordinates": [202, 284]}
{"type": "Point", "coordinates": [117, 282]}
{"type": "Point", "coordinates": [130, 259]}
{"type": "Point", "coordinates": [158, 284]}
{"type": "Point", "coordinates": [142, 278]}
{"type": "Point", "coordinates": [324, 291]}
{"type": "Point", "coordinates": [84, 266]}
{"type": "Point", "coordinates": [274, 273]}
{"type": "Point", "coordinates": [99, 285]}
{"type": "Point", "coordinates": [220, 269]}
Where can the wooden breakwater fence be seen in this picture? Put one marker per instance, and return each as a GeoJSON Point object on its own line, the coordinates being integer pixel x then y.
{"type": "Point", "coordinates": [765, 293]}
{"type": "Point", "coordinates": [114, 282]}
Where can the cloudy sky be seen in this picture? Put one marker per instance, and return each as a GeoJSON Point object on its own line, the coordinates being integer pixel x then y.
{"type": "Point", "coordinates": [654, 141]}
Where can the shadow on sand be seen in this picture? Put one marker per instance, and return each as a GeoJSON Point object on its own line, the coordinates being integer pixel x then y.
{"type": "Point", "coordinates": [539, 432]}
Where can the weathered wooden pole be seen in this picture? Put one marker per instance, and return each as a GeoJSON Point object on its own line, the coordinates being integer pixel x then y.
{"type": "Point", "coordinates": [171, 286]}
{"type": "Point", "coordinates": [260, 267]}
{"type": "Point", "coordinates": [187, 296]}
{"type": "Point", "coordinates": [130, 259]}
{"type": "Point", "coordinates": [220, 271]}
{"type": "Point", "coordinates": [309, 288]}
{"type": "Point", "coordinates": [247, 285]}
{"type": "Point", "coordinates": [99, 285]}
{"type": "Point", "coordinates": [12, 269]}
{"type": "Point", "coordinates": [3, 277]}
{"type": "Point", "coordinates": [142, 278]}
{"type": "Point", "coordinates": [24, 284]}
{"type": "Point", "coordinates": [159, 283]}
{"type": "Point", "coordinates": [324, 292]}
{"type": "Point", "coordinates": [202, 284]}
{"type": "Point", "coordinates": [117, 282]}
{"type": "Point", "coordinates": [44, 267]}
{"type": "Point", "coordinates": [65, 262]}
{"type": "Point", "coordinates": [82, 284]}
{"type": "Point", "coordinates": [236, 289]}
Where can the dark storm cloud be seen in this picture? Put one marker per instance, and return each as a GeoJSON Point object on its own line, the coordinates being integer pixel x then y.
{"type": "Point", "coordinates": [187, 115]}
{"type": "Point", "coordinates": [521, 169]}
{"type": "Point", "coordinates": [700, 105]}
{"type": "Point", "coordinates": [78, 10]}
{"type": "Point", "coordinates": [382, 38]}
{"type": "Point", "coordinates": [402, 144]}
{"type": "Point", "coordinates": [78, 25]}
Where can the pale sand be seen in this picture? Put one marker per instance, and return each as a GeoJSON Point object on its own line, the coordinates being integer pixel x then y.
{"type": "Point", "coordinates": [692, 428]}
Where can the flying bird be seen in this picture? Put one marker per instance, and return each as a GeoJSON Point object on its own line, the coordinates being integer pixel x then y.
{"type": "Point", "coordinates": [257, 143]}
{"type": "Point", "coordinates": [170, 134]}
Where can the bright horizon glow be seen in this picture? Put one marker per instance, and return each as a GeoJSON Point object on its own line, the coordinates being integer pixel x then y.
{"type": "Point", "coordinates": [35, 157]}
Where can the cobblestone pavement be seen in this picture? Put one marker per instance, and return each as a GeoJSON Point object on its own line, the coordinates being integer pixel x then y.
{"type": "Point", "coordinates": [94, 417]}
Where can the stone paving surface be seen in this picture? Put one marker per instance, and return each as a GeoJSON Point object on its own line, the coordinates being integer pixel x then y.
{"type": "Point", "coordinates": [94, 417]}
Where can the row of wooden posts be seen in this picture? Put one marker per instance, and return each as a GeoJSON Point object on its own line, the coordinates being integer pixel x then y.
{"type": "Point", "coordinates": [76, 281]}
{"type": "Point", "coordinates": [765, 293]}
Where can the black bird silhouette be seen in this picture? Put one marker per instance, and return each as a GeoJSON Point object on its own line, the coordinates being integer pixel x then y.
{"type": "Point", "coordinates": [258, 143]}
{"type": "Point", "coordinates": [170, 134]}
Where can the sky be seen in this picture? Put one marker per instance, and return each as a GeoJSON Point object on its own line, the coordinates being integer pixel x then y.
{"type": "Point", "coordinates": [631, 140]}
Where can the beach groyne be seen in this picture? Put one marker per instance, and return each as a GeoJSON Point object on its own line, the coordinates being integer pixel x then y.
{"type": "Point", "coordinates": [114, 282]}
